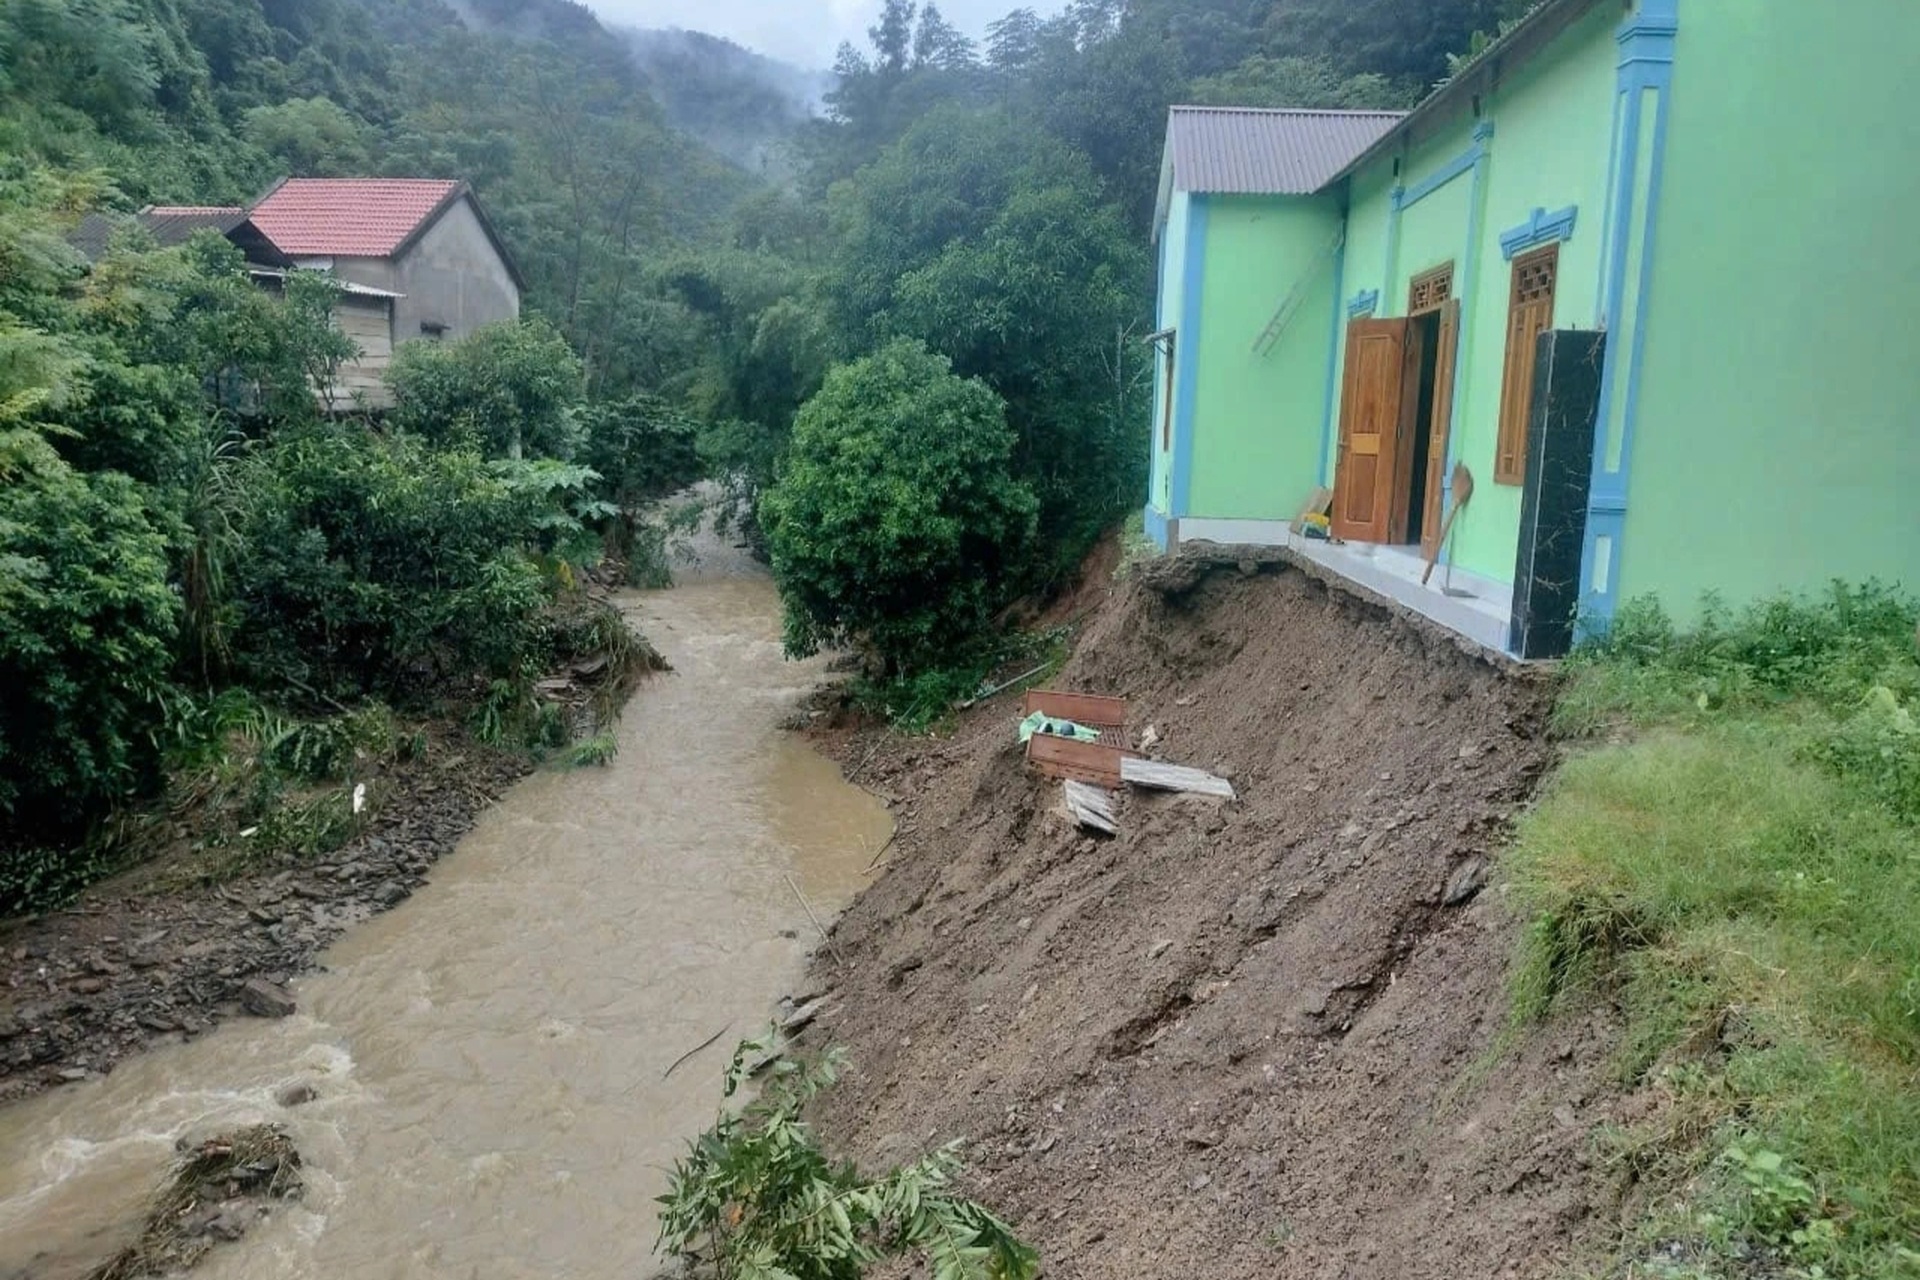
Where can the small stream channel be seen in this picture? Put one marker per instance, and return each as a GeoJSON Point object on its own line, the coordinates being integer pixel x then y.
{"type": "Point", "coordinates": [488, 1056]}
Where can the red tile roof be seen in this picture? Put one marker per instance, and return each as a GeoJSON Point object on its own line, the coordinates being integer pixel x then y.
{"type": "Point", "coordinates": [348, 217]}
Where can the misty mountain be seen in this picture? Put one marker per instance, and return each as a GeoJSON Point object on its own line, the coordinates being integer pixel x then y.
{"type": "Point", "coordinates": [741, 104]}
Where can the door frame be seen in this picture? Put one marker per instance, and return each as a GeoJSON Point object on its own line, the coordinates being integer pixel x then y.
{"type": "Point", "coordinates": [1429, 292]}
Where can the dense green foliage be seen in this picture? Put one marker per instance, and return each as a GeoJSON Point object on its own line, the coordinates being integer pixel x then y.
{"type": "Point", "coordinates": [755, 1198]}
{"type": "Point", "coordinates": [508, 390]}
{"type": "Point", "coordinates": [897, 511]}
{"type": "Point", "coordinates": [87, 631]}
{"type": "Point", "coordinates": [1741, 875]}
{"type": "Point", "coordinates": [181, 531]}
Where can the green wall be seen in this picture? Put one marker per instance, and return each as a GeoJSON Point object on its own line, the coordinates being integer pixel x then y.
{"type": "Point", "coordinates": [1257, 417]}
{"type": "Point", "coordinates": [1173, 275]}
{"type": "Point", "coordinates": [1552, 134]}
{"type": "Point", "coordinates": [1553, 125]}
{"type": "Point", "coordinates": [1777, 443]}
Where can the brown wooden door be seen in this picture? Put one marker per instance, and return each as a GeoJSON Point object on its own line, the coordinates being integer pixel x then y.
{"type": "Point", "coordinates": [1443, 362]}
{"type": "Point", "coordinates": [1369, 429]}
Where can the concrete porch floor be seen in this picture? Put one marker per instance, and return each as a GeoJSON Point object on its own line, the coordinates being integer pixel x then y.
{"type": "Point", "coordinates": [1478, 608]}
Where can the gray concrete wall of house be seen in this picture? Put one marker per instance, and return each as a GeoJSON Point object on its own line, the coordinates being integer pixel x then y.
{"type": "Point", "coordinates": [452, 277]}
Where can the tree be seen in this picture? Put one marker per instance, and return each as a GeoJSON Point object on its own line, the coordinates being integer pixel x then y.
{"type": "Point", "coordinates": [1406, 43]}
{"type": "Point", "coordinates": [508, 387]}
{"type": "Point", "coordinates": [994, 248]}
{"type": "Point", "coordinates": [1262, 81]}
{"type": "Point", "coordinates": [315, 137]}
{"type": "Point", "coordinates": [87, 628]}
{"type": "Point", "coordinates": [896, 523]}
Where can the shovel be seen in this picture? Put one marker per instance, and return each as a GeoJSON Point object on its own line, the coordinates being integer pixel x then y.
{"type": "Point", "coordinates": [1462, 487]}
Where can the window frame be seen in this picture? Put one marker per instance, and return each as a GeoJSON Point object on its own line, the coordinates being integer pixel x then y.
{"type": "Point", "coordinates": [1516, 382]}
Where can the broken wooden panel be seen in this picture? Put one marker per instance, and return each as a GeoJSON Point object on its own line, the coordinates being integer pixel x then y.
{"type": "Point", "coordinates": [1174, 777]}
{"type": "Point", "coordinates": [1108, 715]}
{"type": "Point", "coordinates": [1094, 762]}
{"type": "Point", "coordinates": [1090, 806]}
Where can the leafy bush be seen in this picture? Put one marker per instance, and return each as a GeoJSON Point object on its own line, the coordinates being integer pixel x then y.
{"type": "Point", "coordinates": [755, 1198]}
{"type": "Point", "coordinates": [87, 628]}
{"type": "Point", "coordinates": [508, 388]}
{"type": "Point", "coordinates": [381, 565]}
{"type": "Point", "coordinates": [642, 448]}
{"type": "Point", "coordinates": [896, 522]}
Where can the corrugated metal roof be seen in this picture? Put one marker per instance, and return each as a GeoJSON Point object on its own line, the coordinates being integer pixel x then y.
{"type": "Point", "coordinates": [173, 224]}
{"type": "Point", "coordinates": [349, 217]}
{"type": "Point", "coordinates": [1255, 151]}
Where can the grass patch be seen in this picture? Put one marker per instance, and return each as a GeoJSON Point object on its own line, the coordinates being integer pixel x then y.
{"type": "Point", "coordinates": [1738, 868]}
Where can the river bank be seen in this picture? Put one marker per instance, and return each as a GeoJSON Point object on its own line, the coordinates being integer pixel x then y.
{"type": "Point", "coordinates": [133, 962]}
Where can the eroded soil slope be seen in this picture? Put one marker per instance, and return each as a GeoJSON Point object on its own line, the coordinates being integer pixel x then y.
{"type": "Point", "coordinates": [1239, 1040]}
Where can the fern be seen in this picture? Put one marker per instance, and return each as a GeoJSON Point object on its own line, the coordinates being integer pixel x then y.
{"type": "Point", "coordinates": [756, 1199]}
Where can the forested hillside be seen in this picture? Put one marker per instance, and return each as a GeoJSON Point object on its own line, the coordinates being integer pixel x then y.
{"type": "Point", "coordinates": [958, 237]}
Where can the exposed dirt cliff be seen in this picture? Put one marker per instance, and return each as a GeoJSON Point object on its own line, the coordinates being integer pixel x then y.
{"type": "Point", "coordinates": [1249, 1039]}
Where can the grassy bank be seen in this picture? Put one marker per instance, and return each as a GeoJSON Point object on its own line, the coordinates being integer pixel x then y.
{"type": "Point", "coordinates": [1734, 861]}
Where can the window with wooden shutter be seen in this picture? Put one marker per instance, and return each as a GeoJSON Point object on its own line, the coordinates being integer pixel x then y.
{"type": "Point", "coordinates": [1529, 314]}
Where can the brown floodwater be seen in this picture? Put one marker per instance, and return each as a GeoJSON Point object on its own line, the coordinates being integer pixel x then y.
{"type": "Point", "coordinates": [489, 1055]}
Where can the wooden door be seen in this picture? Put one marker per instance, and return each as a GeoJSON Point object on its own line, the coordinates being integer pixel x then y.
{"type": "Point", "coordinates": [1434, 503]}
{"type": "Point", "coordinates": [1370, 412]}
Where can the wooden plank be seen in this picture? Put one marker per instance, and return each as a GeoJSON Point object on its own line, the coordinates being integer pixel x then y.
{"type": "Point", "coordinates": [1090, 709]}
{"type": "Point", "coordinates": [1090, 806]}
{"type": "Point", "coordinates": [1174, 777]}
{"type": "Point", "coordinates": [1093, 762]}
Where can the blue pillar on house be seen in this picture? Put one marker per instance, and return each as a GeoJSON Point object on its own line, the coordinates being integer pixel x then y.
{"type": "Point", "coordinates": [1644, 88]}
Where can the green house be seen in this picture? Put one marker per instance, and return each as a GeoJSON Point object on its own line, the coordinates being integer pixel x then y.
{"type": "Point", "coordinates": [1637, 270]}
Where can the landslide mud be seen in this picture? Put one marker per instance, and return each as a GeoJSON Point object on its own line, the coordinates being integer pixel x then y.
{"type": "Point", "coordinates": [1249, 1039]}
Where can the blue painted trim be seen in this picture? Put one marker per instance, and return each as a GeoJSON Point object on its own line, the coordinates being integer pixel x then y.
{"type": "Point", "coordinates": [1407, 197]}
{"type": "Point", "coordinates": [1647, 41]}
{"type": "Point", "coordinates": [1363, 303]}
{"type": "Point", "coordinates": [1156, 522]}
{"type": "Point", "coordinates": [1541, 228]}
{"type": "Point", "coordinates": [1186, 371]}
{"type": "Point", "coordinates": [1333, 353]}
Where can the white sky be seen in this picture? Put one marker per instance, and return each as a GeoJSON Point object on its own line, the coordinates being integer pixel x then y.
{"type": "Point", "coordinates": [804, 32]}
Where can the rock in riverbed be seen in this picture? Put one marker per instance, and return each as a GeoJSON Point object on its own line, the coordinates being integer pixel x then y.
{"type": "Point", "coordinates": [265, 999]}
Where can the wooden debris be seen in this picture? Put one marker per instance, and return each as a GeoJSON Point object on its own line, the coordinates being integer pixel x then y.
{"type": "Point", "coordinates": [1093, 762]}
{"type": "Point", "coordinates": [1090, 806]}
{"type": "Point", "coordinates": [808, 908]}
{"type": "Point", "coordinates": [1174, 777]}
{"type": "Point", "coordinates": [803, 1017]}
{"type": "Point", "coordinates": [1108, 715]}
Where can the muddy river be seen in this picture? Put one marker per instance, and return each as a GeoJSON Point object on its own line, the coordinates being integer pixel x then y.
{"type": "Point", "coordinates": [488, 1057]}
